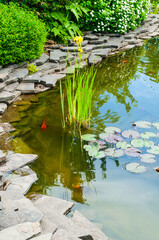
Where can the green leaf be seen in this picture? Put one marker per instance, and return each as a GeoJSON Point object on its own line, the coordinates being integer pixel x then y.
{"type": "Point", "coordinates": [88, 137]}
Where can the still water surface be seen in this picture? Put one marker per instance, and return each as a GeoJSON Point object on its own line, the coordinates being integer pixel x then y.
{"type": "Point", "coordinates": [126, 204]}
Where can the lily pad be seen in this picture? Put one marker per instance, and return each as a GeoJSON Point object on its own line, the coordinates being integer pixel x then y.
{"type": "Point", "coordinates": [133, 152]}
{"type": "Point", "coordinates": [143, 124]}
{"type": "Point", "coordinates": [137, 143]}
{"type": "Point", "coordinates": [87, 147]}
{"type": "Point", "coordinates": [141, 143]}
{"type": "Point", "coordinates": [130, 133]}
{"type": "Point", "coordinates": [147, 135]}
{"type": "Point", "coordinates": [88, 137]}
{"type": "Point", "coordinates": [112, 130]}
{"type": "Point", "coordinates": [147, 158]}
{"type": "Point", "coordinates": [114, 138]}
{"type": "Point", "coordinates": [135, 167]}
{"type": "Point", "coordinates": [112, 152]}
{"type": "Point", "coordinates": [103, 135]}
{"type": "Point", "coordinates": [156, 125]}
{"type": "Point", "coordinates": [100, 154]}
{"type": "Point", "coordinates": [154, 150]}
{"type": "Point", "coordinates": [100, 143]}
{"type": "Point", "coordinates": [123, 145]}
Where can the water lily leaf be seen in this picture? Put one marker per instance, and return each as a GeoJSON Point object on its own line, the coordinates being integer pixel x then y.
{"type": "Point", "coordinates": [109, 151]}
{"type": "Point", "coordinates": [101, 144]}
{"type": "Point", "coordinates": [112, 152]}
{"type": "Point", "coordinates": [148, 143]}
{"type": "Point", "coordinates": [133, 152]}
{"type": "Point", "coordinates": [130, 133]}
{"type": "Point", "coordinates": [123, 145]}
{"type": "Point", "coordinates": [87, 147]}
{"type": "Point", "coordinates": [93, 152]}
{"type": "Point", "coordinates": [154, 150]}
{"type": "Point", "coordinates": [137, 143]}
{"type": "Point", "coordinates": [147, 135]}
{"type": "Point", "coordinates": [118, 153]}
{"type": "Point", "coordinates": [114, 138]}
{"type": "Point", "coordinates": [103, 135]}
{"type": "Point", "coordinates": [156, 125]}
{"type": "Point", "coordinates": [88, 137]}
{"type": "Point", "coordinates": [135, 167]}
{"type": "Point", "coordinates": [112, 130]}
{"type": "Point", "coordinates": [147, 158]}
{"type": "Point", "coordinates": [143, 124]}
{"type": "Point", "coordinates": [100, 154]}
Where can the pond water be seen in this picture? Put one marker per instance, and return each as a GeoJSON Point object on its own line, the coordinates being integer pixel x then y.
{"type": "Point", "coordinates": [126, 204]}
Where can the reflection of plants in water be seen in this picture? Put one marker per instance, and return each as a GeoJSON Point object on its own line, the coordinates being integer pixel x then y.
{"type": "Point", "coordinates": [150, 61]}
{"type": "Point", "coordinates": [113, 77]}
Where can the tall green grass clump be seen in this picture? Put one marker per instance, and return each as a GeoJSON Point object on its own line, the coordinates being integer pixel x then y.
{"type": "Point", "coordinates": [79, 93]}
{"type": "Point", "coordinates": [22, 35]}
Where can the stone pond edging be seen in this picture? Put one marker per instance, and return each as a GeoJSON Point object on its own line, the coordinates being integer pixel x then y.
{"type": "Point", "coordinates": [44, 217]}
{"type": "Point", "coordinates": [60, 61]}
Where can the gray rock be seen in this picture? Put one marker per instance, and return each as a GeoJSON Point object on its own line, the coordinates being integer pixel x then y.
{"type": "Point", "coordinates": [1, 67]}
{"type": "Point", "coordinates": [40, 61]}
{"type": "Point", "coordinates": [33, 78]}
{"type": "Point", "coordinates": [145, 37]}
{"type": "Point", "coordinates": [56, 55]}
{"type": "Point", "coordinates": [22, 231]}
{"type": "Point", "coordinates": [11, 195]}
{"type": "Point", "coordinates": [113, 43]}
{"type": "Point", "coordinates": [94, 59]}
{"type": "Point", "coordinates": [11, 87]}
{"type": "Point", "coordinates": [15, 161]}
{"type": "Point", "coordinates": [128, 47]}
{"type": "Point", "coordinates": [46, 203]}
{"type": "Point", "coordinates": [11, 79]}
{"type": "Point", "coordinates": [99, 41]}
{"type": "Point", "coordinates": [153, 28]}
{"type": "Point", "coordinates": [91, 37]}
{"type": "Point", "coordinates": [19, 211]}
{"type": "Point", "coordinates": [62, 234]}
{"type": "Point", "coordinates": [2, 156]}
{"type": "Point", "coordinates": [7, 127]}
{"type": "Point", "coordinates": [47, 236]}
{"type": "Point", "coordinates": [85, 224]}
{"type": "Point", "coordinates": [69, 70]}
{"type": "Point", "coordinates": [2, 86]}
{"type": "Point", "coordinates": [3, 107]}
{"type": "Point", "coordinates": [47, 225]}
{"type": "Point", "coordinates": [20, 73]}
{"type": "Point", "coordinates": [69, 49]}
{"type": "Point", "coordinates": [81, 64]}
{"type": "Point", "coordinates": [26, 88]}
{"type": "Point", "coordinates": [5, 96]}
{"type": "Point", "coordinates": [89, 48]}
{"type": "Point", "coordinates": [130, 36]}
{"type": "Point", "coordinates": [51, 79]}
{"type": "Point", "coordinates": [133, 41]}
{"type": "Point", "coordinates": [22, 183]}
{"type": "Point", "coordinates": [3, 76]}
{"type": "Point", "coordinates": [60, 67]}
{"type": "Point", "coordinates": [16, 94]}
{"type": "Point", "coordinates": [142, 35]}
{"type": "Point", "coordinates": [40, 88]}
{"type": "Point", "coordinates": [154, 34]}
{"type": "Point", "coordinates": [101, 52]}
{"type": "Point", "coordinates": [113, 34]}
{"type": "Point", "coordinates": [47, 66]}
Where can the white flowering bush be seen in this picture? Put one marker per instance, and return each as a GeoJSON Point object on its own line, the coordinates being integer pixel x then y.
{"type": "Point", "coordinates": [117, 16]}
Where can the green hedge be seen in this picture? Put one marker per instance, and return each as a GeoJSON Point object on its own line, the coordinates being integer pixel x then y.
{"type": "Point", "coordinates": [22, 35]}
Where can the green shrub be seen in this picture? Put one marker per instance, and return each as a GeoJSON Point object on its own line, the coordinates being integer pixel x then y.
{"type": "Point", "coordinates": [22, 35]}
{"type": "Point", "coordinates": [116, 16]}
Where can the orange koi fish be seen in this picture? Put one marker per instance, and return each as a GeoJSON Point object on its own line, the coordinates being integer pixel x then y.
{"type": "Point", "coordinates": [124, 61]}
{"type": "Point", "coordinates": [44, 125]}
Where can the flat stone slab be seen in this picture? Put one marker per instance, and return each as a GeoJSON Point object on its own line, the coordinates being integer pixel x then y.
{"type": "Point", "coordinates": [26, 88]}
{"type": "Point", "coordinates": [11, 87]}
{"type": "Point", "coordinates": [47, 236]}
{"type": "Point", "coordinates": [5, 96]}
{"type": "Point", "coordinates": [56, 55]}
{"type": "Point", "coordinates": [20, 73]}
{"type": "Point", "coordinates": [22, 183]}
{"type": "Point", "coordinates": [22, 231]}
{"type": "Point", "coordinates": [16, 95]}
{"type": "Point", "coordinates": [15, 161]}
{"type": "Point", "coordinates": [101, 52]}
{"type": "Point", "coordinates": [153, 28]}
{"type": "Point", "coordinates": [62, 234]}
{"type": "Point", "coordinates": [94, 59]}
{"type": "Point", "coordinates": [7, 127]}
{"type": "Point", "coordinates": [33, 78]}
{"type": "Point", "coordinates": [54, 204]}
{"type": "Point", "coordinates": [40, 61]}
{"type": "Point", "coordinates": [4, 76]}
{"type": "Point", "coordinates": [91, 37]}
{"type": "Point", "coordinates": [113, 43]}
{"type": "Point", "coordinates": [3, 107]}
{"type": "Point", "coordinates": [47, 66]}
{"type": "Point", "coordinates": [2, 157]}
{"type": "Point", "coordinates": [51, 79]}
{"type": "Point", "coordinates": [2, 86]}
{"type": "Point", "coordinates": [85, 224]}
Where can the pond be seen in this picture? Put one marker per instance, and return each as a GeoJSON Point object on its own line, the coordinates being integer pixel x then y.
{"type": "Point", "coordinates": [125, 204]}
